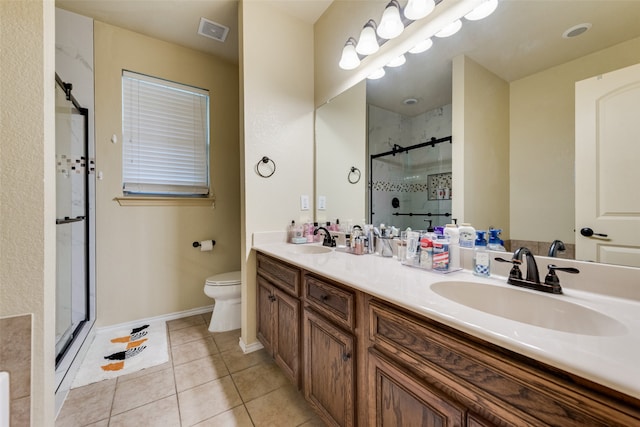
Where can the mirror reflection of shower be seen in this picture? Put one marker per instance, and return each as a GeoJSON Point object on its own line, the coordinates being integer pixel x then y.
{"type": "Point", "coordinates": [410, 168]}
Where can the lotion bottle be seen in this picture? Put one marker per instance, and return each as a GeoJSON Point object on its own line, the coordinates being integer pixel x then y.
{"type": "Point", "coordinates": [453, 234]}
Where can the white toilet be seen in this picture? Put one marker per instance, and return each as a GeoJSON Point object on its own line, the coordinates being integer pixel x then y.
{"type": "Point", "coordinates": [224, 288]}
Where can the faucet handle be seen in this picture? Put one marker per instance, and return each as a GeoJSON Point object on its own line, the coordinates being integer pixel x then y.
{"type": "Point", "coordinates": [552, 278]}
{"type": "Point", "coordinates": [515, 272]}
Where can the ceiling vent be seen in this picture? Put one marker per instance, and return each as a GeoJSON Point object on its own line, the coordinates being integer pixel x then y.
{"type": "Point", "coordinates": [213, 30]}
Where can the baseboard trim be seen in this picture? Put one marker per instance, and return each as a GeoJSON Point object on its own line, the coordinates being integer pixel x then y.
{"type": "Point", "coordinates": [164, 317]}
{"type": "Point", "coordinates": [250, 348]}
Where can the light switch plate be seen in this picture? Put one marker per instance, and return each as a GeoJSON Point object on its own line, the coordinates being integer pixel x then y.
{"type": "Point", "coordinates": [322, 203]}
{"type": "Point", "coordinates": [304, 202]}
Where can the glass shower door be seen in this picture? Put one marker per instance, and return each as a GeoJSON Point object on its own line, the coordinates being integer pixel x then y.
{"type": "Point", "coordinates": [71, 218]}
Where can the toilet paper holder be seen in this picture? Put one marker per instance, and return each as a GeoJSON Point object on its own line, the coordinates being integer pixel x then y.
{"type": "Point", "coordinates": [197, 244]}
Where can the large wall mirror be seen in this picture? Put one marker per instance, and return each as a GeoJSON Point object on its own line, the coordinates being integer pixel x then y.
{"type": "Point", "coordinates": [506, 87]}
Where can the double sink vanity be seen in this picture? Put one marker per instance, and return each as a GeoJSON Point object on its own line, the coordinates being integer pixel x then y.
{"type": "Point", "coordinates": [369, 342]}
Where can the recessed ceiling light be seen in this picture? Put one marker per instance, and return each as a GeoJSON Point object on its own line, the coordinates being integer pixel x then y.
{"type": "Point", "coordinates": [410, 101]}
{"type": "Point", "coordinates": [576, 30]}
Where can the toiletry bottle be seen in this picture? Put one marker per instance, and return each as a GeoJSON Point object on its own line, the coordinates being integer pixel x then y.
{"type": "Point", "coordinates": [495, 243]}
{"type": "Point", "coordinates": [347, 241]}
{"type": "Point", "coordinates": [316, 237]}
{"type": "Point", "coordinates": [467, 235]}
{"type": "Point", "coordinates": [291, 231]}
{"type": "Point", "coordinates": [481, 256]}
{"type": "Point", "coordinates": [310, 229]}
{"type": "Point", "coordinates": [441, 254]}
{"type": "Point", "coordinates": [453, 234]}
{"type": "Point", "coordinates": [426, 251]}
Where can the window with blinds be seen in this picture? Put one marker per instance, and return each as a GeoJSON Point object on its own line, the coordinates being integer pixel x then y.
{"type": "Point", "coordinates": [165, 132]}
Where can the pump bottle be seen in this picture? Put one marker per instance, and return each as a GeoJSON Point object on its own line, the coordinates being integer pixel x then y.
{"type": "Point", "coordinates": [481, 256]}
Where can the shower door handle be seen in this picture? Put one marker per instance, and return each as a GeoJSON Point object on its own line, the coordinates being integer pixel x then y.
{"type": "Point", "coordinates": [67, 220]}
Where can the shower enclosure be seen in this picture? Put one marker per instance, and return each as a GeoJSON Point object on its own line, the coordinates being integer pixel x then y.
{"type": "Point", "coordinates": [411, 186]}
{"type": "Point", "coordinates": [73, 169]}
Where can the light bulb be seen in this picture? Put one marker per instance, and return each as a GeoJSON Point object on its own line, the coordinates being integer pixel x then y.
{"type": "Point", "coordinates": [398, 61]}
{"type": "Point", "coordinates": [390, 25]}
{"type": "Point", "coordinates": [424, 45]}
{"type": "Point", "coordinates": [418, 9]}
{"type": "Point", "coordinates": [377, 74]}
{"type": "Point", "coordinates": [450, 29]}
{"type": "Point", "coordinates": [368, 41]}
{"type": "Point", "coordinates": [349, 59]}
{"type": "Point", "coordinates": [482, 11]}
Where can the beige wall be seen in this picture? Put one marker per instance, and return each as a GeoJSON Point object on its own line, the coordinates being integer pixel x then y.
{"type": "Point", "coordinates": [341, 142]}
{"type": "Point", "coordinates": [542, 143]}
{"type": "Point", "coordinates": [278, 122]}
{"type": "Point", "coordinates": [146, 265]}
{"type": "Point", "coordinates": [480, 132]}
{"type": "Point", "coordinates": [27, 183]}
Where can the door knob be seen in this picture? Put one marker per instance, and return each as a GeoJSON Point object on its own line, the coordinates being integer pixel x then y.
{"type": "Point", "coordinates": [588, 232]}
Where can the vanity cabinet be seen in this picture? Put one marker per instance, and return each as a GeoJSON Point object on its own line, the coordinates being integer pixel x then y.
{"type": "Point", "coordinates": [363, 361]}
{"type": "Point", "coordinates": [329, 350]}
{"type": "Point", "coordinates": [278, 314]}
{"type": "Point", "coordinates": [413, 359]}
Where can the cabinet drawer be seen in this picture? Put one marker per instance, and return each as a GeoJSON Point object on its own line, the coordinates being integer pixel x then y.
{"type": "Point", "coordinates": [280, 274]}
{"type": "Point", "coordinates": [332, 301]}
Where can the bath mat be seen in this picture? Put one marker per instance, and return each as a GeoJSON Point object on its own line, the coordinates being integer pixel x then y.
{"type": "Point", "coordinates": [120, 351]}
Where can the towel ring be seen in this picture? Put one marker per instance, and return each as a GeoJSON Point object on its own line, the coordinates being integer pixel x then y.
{"type": "Point", "coordinates": [265, 161]}
{"type": "Point", "coordinates": [354, 175]}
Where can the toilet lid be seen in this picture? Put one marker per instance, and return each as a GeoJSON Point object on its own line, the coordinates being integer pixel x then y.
{"type": "Point", "coordinates": [224, 279]}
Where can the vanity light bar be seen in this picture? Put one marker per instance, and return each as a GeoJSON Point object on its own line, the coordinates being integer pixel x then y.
{"type": "Point", "coordinates": [391, 25]}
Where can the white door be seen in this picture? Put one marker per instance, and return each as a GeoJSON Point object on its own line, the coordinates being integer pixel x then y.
{"type": "Point", "coordinates": [608, 167]}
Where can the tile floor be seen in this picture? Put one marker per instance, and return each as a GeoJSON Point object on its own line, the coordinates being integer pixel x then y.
{"type": "Point", "coordinates": [208, 381]}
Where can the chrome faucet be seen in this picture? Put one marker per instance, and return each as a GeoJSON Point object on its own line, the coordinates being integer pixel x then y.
{"type": "Point", "coordinates": [556, 245]}
{"type": "Point", "coordinates": [328, 240]}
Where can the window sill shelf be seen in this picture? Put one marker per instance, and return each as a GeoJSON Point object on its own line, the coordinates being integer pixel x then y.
{"type": "Point", "coordinates": [164, 201]}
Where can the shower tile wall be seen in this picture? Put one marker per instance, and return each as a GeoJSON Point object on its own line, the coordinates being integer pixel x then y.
{"type": "Point", "coordinates": [405, 177]}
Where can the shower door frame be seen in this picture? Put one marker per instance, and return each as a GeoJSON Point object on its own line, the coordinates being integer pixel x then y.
{"type": "Point", "coordinates": [65, 357]}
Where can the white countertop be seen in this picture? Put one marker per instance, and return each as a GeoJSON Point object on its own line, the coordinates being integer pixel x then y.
{"type": "Point", "coordinates": [610, 360]}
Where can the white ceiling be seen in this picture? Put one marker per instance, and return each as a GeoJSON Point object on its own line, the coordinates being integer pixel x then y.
{"type": "Point", "coordinates": [521, 37]}
{"type": "Point", "coordinates": [177, 21]}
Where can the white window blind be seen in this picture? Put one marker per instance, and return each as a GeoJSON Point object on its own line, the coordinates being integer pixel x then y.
{"type": "Point", "coordinates": [165, 129]}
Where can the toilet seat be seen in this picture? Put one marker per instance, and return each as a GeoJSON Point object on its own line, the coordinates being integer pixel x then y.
{"type": "Point", "coordinates": [224, 279]}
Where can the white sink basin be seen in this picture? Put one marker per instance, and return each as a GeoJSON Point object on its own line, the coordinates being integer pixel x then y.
{"type": "Point", "coordinates": [529, 307]}
{"type": "Point", "coordinates": [309, 249]}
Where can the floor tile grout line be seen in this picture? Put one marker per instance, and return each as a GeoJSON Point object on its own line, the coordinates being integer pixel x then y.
{"type": "Point", "coordinates": [175, 383]}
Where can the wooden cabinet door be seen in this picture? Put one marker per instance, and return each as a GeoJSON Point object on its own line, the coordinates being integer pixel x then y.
{"type": "Point", "coordinates": [397, 399]}
{"type": "Point", "coordinates": [474, 420]}
{"type": "Point", "coordinates": [266, 299]}
{"type": "Point", "coordinates": [329, 382]}
{"type": "Point", "coordinates": [287, 334]}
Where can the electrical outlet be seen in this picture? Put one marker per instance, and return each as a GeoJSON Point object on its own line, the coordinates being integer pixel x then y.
{"type": "Point", "coordinates": [304, 202]}
{"type": "Point", "coordinates": [322, 203]}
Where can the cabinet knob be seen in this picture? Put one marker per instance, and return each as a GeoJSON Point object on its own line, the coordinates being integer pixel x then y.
{"type": "Point", "coordinates": [346, 356]}
{"type": "Point", "coordinates": [272, 298]}
{"type": "Point", "coordinates": [324, 297]}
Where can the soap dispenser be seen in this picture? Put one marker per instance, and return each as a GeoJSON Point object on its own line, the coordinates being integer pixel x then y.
{"type": "Point", "coordinates": [481, 256]}
{"type": "Point", "coordinates": [495, 243]}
